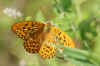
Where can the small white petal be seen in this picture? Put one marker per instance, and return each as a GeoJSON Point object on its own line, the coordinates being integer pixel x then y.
{"type": "Point", "coordinates": [5, 10]}
{"type": "Point", "coordinates": [22, 63]}
{"type": "Point", "coordinates": [10, 15]}
{"type": "Point", "coordinates": [12, 12]}
{"type": "Point", "coordinates": [19, 14]}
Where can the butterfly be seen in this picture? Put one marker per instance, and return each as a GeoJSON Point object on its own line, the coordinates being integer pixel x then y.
{"type": "Point", "coordinates": [41, 38]}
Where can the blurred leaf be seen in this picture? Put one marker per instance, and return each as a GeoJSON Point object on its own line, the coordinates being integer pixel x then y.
{"type": "Point", "coordinates": [39, 17]}
{"type": "Point", "coordinates": [51, 62]}
{"type": "Point", "coordinates": [80, 56]}
{"type": "Point", "coordinates": [89, 8]}
{"type": "Point", "coordinates": [63, 5]}
{"type": "Point", "coordinates": [87, 29]}
{"type": "Point", "coordinates": [28, 18]}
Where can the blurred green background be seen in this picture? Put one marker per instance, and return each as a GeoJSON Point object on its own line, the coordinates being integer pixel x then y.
{"type": "Point", "coordinates": [80, 19]}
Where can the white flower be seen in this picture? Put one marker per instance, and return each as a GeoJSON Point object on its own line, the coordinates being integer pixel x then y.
{"type": "Point", "coordinates": [12, 12]}
{"type": "Point", "coordinates": [22, 63]}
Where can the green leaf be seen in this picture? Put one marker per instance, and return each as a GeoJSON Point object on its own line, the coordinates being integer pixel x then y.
{"type": "Point", "coordinates": [79, 56]}
{"type": "Point", "coordinates": [63, 5]}
{"type": "Point", "coordinates": [51, 62]}
{"type": "Point", "coordinates": [40, 17]}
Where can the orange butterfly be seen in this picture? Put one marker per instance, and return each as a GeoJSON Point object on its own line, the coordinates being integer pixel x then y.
{"type": "Point", "coordinates": [41, 38]}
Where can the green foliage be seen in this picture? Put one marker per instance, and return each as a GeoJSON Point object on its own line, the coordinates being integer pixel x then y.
{"type": "Point", "coordinates": [88, 35]}
{"type": "Point", "coordinates": [63, 5]}
{"type": "Point", "coordinates": [81, 57]}
{"type": "Point", "coordinates": [40, 17]}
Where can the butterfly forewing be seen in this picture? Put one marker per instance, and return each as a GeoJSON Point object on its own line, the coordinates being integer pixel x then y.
{"type": "Point", "coordinates": [27, 29]}
{"type": "Point", "coordinates": [63, 37]}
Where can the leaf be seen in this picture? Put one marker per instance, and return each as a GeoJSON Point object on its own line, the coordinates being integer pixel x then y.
{"type": "Point", "coordinates": [40, 17]}
{"type": "Point", "coordinates": [79, 56]}
{"type": "Point", "coordinates": [63, 5]}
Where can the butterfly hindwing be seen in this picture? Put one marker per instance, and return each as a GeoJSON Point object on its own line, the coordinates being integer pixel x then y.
{"type": "Point", "coordinates": [32, 45]}
{"type": "Point", "coordinates": [47, 50]}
